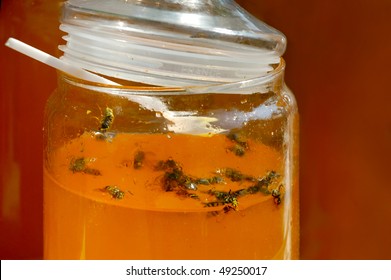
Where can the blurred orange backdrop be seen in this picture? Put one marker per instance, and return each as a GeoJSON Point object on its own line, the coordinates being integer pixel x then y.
{"type": "Point", "coordinates": [338, 60]}
{"type": "Point", "coordinates": [25, 85]}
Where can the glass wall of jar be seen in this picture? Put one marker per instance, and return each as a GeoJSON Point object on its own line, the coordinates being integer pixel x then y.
{"type": "Point", "coordinates": [142, 172]}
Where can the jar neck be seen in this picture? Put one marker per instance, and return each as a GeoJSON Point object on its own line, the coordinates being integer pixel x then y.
{"type": "Point", "coordinates": [271, 82]}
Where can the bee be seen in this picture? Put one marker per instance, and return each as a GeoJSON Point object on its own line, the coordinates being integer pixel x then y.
{"type": "Point", "coordinates": [80, 165]}
{"type": "Point", "coordinates": [107, 120]}
{"type": "Point", "coordinates": [168, 165]}
{"type": "Point", "coordinates": [174, 178]}
{"type": "Point", "coordinates": [276, 194]}
{"type": "Point", "coordinates": [241, 145]}
{"type": "Point", "coordinates": [138, 159]}
{"type": "Point", "coordinates": [238, 150]}
{"type": "Point", "coordinates": [114, 191]}
{"type": "Point", "coordinates": [262, 184]}
{"type": "Point", "coordinates": [77, 165]}
{"type": "Point", "coordinates": [228, 199]}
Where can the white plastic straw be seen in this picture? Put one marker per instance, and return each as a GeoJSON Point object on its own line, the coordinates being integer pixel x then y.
{"type": "Point", "coordinates": [55, 62]}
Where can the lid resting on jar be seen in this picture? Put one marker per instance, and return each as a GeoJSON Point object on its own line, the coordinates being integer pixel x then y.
{"type": "Point", "coordinates": [169, 43]}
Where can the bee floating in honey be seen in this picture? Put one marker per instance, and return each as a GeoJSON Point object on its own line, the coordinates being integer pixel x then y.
{"type": "Point", "coordinates": [174, 176]}
{"type": "Point", "coordinates": [240, 144]}
{"type": "Point", "coordinates": [186, 186]}
{"type": "Point", "coordinates": [114, 191]}
{"type": "Point", "coordinates": [80, 165]}
{"type": "Point", "coordinates": [230, 199]}
{"type": "Point", "coordinates": [175, 179]}
{"type": "Point", "coordinates": [138, 159]}
{"type": "Point", "coordinates": [107, 120]}
{"type": "Point", "coordinates": [105, 124]}
{"type": "Point", "coordinates": [276, 194]}
{"type": "Point", "coordinates": [262, 185]}
{"type": "Point", "coordinates": [227, 199]}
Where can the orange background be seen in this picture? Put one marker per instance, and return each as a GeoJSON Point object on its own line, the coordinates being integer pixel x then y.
{"type": "Point", "coordinates": [338, 60]}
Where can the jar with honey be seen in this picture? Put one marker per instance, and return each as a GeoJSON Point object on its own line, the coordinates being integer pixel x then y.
{"type": "Point", "coordinates": [193, 154]}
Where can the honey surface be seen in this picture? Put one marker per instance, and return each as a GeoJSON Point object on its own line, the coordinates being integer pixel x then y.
{"type": "Point", "coordinates": [84, 220]}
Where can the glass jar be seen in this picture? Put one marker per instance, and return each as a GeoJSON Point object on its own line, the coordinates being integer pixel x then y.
{"type": "Point", "coordinates": [175, 170]}
{"type": "Point", "coordinates": [199, 176]}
